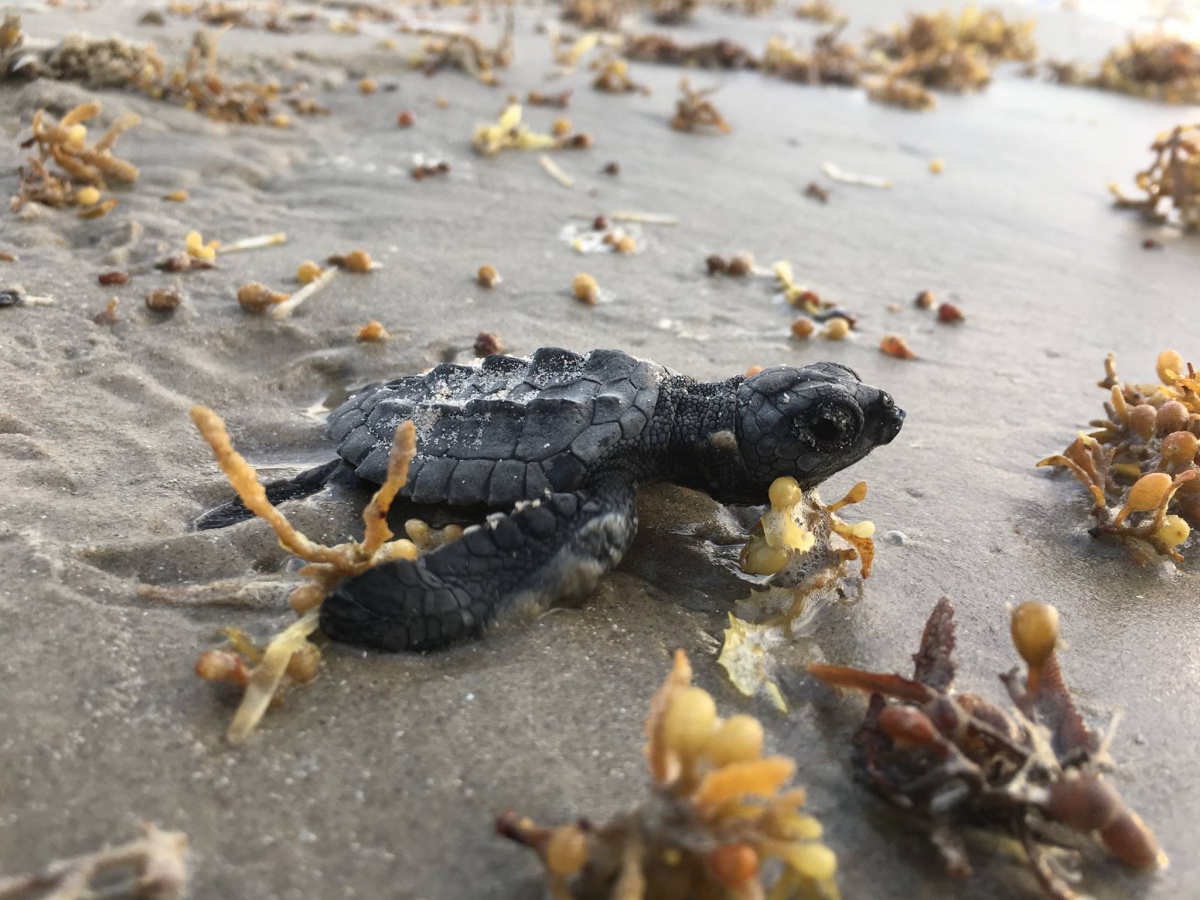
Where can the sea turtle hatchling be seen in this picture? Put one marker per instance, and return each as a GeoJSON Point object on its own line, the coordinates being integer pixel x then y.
{"type": "Point", "coordinates": [559, 443]}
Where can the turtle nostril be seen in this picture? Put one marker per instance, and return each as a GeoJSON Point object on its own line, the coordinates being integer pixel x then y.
{"type": "Point", "coordinates": [886, 399]}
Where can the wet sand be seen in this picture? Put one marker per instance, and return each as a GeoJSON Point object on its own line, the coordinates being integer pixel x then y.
{"type": "Point", "coordinates": [381, 778]}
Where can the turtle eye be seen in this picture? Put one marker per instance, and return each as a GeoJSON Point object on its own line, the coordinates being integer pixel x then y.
{"type": "Point", "coordinates": [830, 426]}
{"type": "Point", "coordinates": [827, 430]}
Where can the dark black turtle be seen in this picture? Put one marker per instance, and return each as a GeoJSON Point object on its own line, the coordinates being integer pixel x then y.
{"type": "Point", "coordinates": [561, 442]}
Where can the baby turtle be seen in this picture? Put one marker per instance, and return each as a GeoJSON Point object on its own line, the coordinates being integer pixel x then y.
{"type": "Point", "coordinates": [561, 442]}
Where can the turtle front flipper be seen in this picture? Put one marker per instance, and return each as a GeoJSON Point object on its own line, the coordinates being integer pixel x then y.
{"type": "Point", "coordinates": [545, 551]}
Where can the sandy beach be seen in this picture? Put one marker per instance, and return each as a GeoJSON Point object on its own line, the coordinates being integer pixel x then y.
{"type": "Point", "coordinates": [382, 777]}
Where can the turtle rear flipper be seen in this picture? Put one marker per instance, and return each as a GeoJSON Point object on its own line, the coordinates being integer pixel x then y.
{"type": "Point", "coordinates": [305, 484]}
{"type": "Point", "coordinates": [547, 550]}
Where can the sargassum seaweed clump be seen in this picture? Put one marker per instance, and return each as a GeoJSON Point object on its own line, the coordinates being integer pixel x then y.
{"type": "Point", "coordinates": [1140, 465]}
{"type": "Point", "coordinates": [1171, 180]}
{"type": "Point", "coordinates": [718, 810]}
{"type": "Point", "coordinates": [291, 657]}
{"type": "Point", "coordinates": [1027, 779]}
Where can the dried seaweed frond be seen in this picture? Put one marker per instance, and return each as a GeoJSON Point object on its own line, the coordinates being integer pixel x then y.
{"type": "Point", "coordinates": [604, 15]}
{"type": "Point", "coordinates": [64, 145]}
{"type": "Point", "coordinates": [693, 111]}
{"type": "Point", "coordinates": [984, 31]}
{"type": "Point", "coordinates": [152, 866]}
{"type": "Point", "coordinates": [508, 132]}
{"type": "Point", "coordinates": [902, 92]}
{"type": "Point", "coordinates": [718, 809]}
{"type": "Point", "coordinates": [821, 11]}
{"type": "Point", "coordinates": [196, 84]}
{"type": "Point", "coordinates": [613, 78]}
{"type": "Point", "coordinates": [828, 61]}
{"type": "Point", "coordinates": [441, 49]}
{"type": "Point", "coordinates": [1140, 466]}
{"type": "Point", "coordinates": [958, 763]}
{"type": "Point", "coordinates": [290, 652]}
{"type": "Point", "coordinates": [664, 50]}
{"type": "Point", "coordinates": [1155, 65]}
{"type": "Point", "coordinates": [672, 12]}
{"type": "Point", "coordinates": [1173, 179]}
{"type": "Point", "coordinates": [950, 51]}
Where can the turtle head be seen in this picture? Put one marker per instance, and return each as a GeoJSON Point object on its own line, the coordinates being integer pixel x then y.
{"type": "Point", "coordinates": [810, 422]}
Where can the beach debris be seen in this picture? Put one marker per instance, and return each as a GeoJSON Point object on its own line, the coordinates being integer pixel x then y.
{"type": "Point", "coordinates": [108, 315]}
{"type": "Point", "coordinates": [442, 48]}
{"type": "Point", "coordinates": [372, 333]}
{"type": "Point", "coordinates": [634, 216]}
{"type": "Point", "coordinates": [196, 248]}
{"type": "Point", "coordinates": [838, 174]}
{"type": "Point", "coordinates": [114, 277]}
{"type": "Point", "coordinates": [561, 100]}
{"type": "Point", "coordinates": [257, 297]}
{"type": "Point", "coordinates": [586, 289]}
{"type": "Point", "coordinates": [601, 235]}
{"type": "Point", "coordinates": [290, 654]}
{"type": "Point", "coordinates": [803, 328]}
{"type": "Point", "coordinates": [665, 50]}
{"type": "Point", "coordinates": [924, 300]}
{"type": "Point", "coordinates": [1171, 180]}
{"type": "Point", "coordinates": [68, 172]}
{"type": "Point", "coordinates": [488, 343]}
{"type": "Point", "coordinates": [508, 132]}
{"type": "Point", "coordinates": [405, 119]}
{"type": "Point", "coordinates": [817, 192]}
{"type": "Point", "coordinates": [179, 196]}
{"type": "Point", "coordinates": [806, 299]}
{"type": "Point", "coordinates": [1029, 777]}
{"type": "Point", "coordinates": [937, 166]}
{"type": "Point", "coordinates": [165, 300]}
{"type": "Point", "coordinates": [488, 276]}
{"type": "Point", "coordinates": [612, 169]}
{"type": "Point", "coordinates": [308, 272]}
{"type": "Point", "coordinates": [739, 266]}
{"type": "Point", "coordinates": [1140, 465]}
{"type": "Point", "coordinates": [152, 867]}
{"type": "Point", "coordinates": [358, 261]}
{"type": "Point", "coordinates": [423, 168]}
{"type": "Point", "coordinates": [718, 810]}
{"type": "Point", "coordinates": [836, 329]}
{"type": "Point", "coordinates": [949, 314]}
{"type": "Point", "coordinates": [555, 171]}
{"type": "Point", "coordinates": [896, 346]}
{"type": "Point", "coordinates": [613, 78]}
{"type": "Point", "coordinates": [368, 86]}
{"type": "Point", "coordinates": [693, 111]}
{"type": "Point", "coordinates": [251, 243]}
{"type": "Point", "coordinates": [827, 61]}
{"type": "Point", "coordinates": [288, 305]}
{"type": "Point", "coordinates": [821, 11]}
